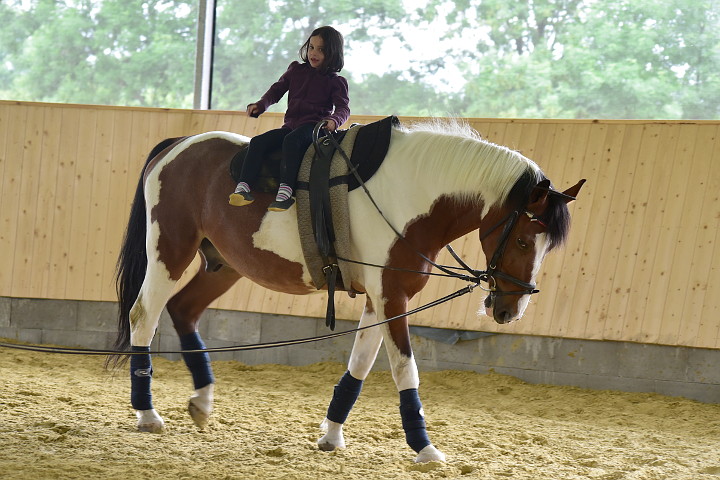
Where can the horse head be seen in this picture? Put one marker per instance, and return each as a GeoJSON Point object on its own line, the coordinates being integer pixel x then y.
{"type": "Point", "coordinates": [515, 239]}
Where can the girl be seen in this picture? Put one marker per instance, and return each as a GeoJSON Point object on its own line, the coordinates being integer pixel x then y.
{"type": "Point", "coordinates": [316, 93]}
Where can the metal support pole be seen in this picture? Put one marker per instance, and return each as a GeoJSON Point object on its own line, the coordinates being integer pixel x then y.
{"type": "Point", "coordinates": [204, 55]}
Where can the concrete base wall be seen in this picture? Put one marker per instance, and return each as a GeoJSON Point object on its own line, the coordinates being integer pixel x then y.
{"type": "Point", "coordinates": [677, 371]}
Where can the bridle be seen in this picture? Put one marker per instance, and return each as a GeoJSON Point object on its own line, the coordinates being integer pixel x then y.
{"type": "Point", "coordinates": [491, 275]}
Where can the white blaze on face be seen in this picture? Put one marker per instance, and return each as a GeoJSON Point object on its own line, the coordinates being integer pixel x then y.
{"type": "Point", "coordinates": [541, 249]}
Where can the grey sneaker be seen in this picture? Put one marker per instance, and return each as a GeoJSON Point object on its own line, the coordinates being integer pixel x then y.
{"type": "Point", "coordinates": [239, 199]}
{"type": "Point", "coordinates": [281, 206]}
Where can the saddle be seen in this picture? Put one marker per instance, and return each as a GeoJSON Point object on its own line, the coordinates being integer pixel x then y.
{"type": "Point", "coordinates": [367, 155]}
{"type": "Point", "coordinates": [325, 178]}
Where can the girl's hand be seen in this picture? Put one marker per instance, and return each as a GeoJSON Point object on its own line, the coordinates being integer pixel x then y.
{"type": "Point", "coordinates": [253, 110]}
{"type": "Point", "coordinates": [330, 125]}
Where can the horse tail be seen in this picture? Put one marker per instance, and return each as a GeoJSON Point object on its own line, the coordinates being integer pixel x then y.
{"type": "Point", "coordinates": [132, 261]}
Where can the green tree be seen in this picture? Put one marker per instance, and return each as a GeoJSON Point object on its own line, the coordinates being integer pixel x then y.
{"type": "Point", "coordinates": [109, 52]}
{"type": "Point", "coordinates": [591, 59]}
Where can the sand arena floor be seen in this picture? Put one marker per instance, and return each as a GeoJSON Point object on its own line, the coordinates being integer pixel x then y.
{"type": "Point", "coordinates": [64, 417]}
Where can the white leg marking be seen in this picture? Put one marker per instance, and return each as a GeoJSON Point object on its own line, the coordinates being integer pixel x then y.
{"type": "Point", "coordinates": [149, 421]}
{"type": "Point", "coordinates": [430, 454]}
{"type": "Point", "coordinates": [201, 405]}
{"type": "Point", "coordinates": [404, 369]}
{"type": "Point", "coordinates": [366, 346]}
{"type": "Point", "coordinates": [333, 437]}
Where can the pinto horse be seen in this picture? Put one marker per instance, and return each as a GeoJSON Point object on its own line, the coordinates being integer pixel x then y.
{"type": "Point", "coordinates": [437, 183]}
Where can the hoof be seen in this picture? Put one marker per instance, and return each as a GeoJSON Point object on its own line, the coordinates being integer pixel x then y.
{"type": "Point", "coordinates": [430, 454]}
{"type": "Point", "coordinates": [149, 421]}
{"type": "Point", "coordinates": [333, 439]}
{"type": "Point", "coordinates": [201, 405]}
{"type": "Point", "coordinates": [199, 417]}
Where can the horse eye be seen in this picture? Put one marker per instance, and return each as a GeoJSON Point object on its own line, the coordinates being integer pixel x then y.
{"type": "Point", "coordinates": [522, 244]}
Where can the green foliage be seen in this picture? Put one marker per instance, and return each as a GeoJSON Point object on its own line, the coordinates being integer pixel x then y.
{"type": "Point", "coordinates": [114, 52]}
{"type": "Point", "coordinates": [594, 59]}
{"type": "Point", "coordinates": [527, 58]}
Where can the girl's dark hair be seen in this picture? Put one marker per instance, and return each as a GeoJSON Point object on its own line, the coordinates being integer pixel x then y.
{"type": "Point", "coordinates": [333, 45]}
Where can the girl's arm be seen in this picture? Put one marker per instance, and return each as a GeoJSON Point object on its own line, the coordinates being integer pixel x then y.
{"type": "Point", "coordinates": [276, 91]}
{"type": "Point", "coordinates": [341, 102]}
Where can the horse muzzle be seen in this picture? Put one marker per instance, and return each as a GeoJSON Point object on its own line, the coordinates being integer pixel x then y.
{"type": "Point", "coordinates": [502, 311]}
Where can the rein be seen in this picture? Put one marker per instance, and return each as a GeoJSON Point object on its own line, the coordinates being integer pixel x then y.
{"type": "Point", "coordinates": [236, 348]}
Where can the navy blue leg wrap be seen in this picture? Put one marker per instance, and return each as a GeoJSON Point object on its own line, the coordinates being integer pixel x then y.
{"type": "Point", "coordinates": [197, 363]}
{"type": "Point", "coordinates": [140, 379]}
{"type": "Point", "coordinates": [413, 420]}
{"type": "Point", "coordinates": [346, 392]}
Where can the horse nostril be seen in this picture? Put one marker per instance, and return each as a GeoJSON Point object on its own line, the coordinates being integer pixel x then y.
{"type": "Point", "coordinates": [503, 317]}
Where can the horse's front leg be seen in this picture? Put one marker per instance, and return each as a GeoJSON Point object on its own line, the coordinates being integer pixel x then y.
{"type": "Point", "coordinates": [407, 380]}
{"type": "Point", "coordinates": [363, 355]}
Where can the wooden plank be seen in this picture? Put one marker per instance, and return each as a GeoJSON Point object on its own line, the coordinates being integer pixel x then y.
{"type": "Point", "coordinates": [604, 294]}
{"type": "Point", "coordinates": [672, 242]}
{"type": "Point", "coordinates": [10, 201]}
{"type": "Point", "coordinates": [46, 203]}
{"type": "Point", "coordinates": [596, 196]}
{"type": "Point", "coordinates": [700, 226]}
{"type": "Point", "coordinates": [119, 209]}
{"type": "Point", "coordinates": [708, 324]}
{"type": "Point", "coordinates": [636, 209]}
{"type": "Point", "coordinates": [574, 273]}
{"type": "Point", "coordinates": [80, 206]}
{"type": "Point", "coordinates": [642, 327]}
{"type": "Point", "coordinates": [572, 256]}
{"type": "Point", "coordinates": [27, 228]}
{"type": "Point", "coordinates": [95, 277]}
{"type": "Point", "coordinates": [62, 217]}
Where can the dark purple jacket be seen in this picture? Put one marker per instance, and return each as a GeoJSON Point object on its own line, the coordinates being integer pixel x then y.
{"type": "Point", "coordinates": [312, 97]}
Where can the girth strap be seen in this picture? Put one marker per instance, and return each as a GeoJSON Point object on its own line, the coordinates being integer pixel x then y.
{"type": "Point", "coordinates": [321, 217]}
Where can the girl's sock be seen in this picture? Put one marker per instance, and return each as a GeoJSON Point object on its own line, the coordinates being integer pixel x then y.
{"type": "Point", "coordinates": [284, 192]}
{"type": "Point", "coordinates": [242, 187]}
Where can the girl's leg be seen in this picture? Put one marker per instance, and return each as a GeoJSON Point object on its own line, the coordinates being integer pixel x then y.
{"type": "Point", "coordinates": [294, 147]}
{"type": "Point", "coordinates": [258, 149]}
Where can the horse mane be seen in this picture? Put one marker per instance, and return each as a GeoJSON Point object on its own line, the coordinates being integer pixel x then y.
{"type": "Point", "coordinates": [481, 171]}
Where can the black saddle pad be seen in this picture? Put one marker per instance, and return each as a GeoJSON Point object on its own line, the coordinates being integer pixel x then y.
{"type": "Point", "coordinates": [371, 146]}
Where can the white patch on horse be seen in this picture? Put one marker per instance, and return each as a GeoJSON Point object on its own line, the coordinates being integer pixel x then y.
{"type": "Point", "coordinates": [366, 346]}
{"type": "Point", "coordinates": [278, 233]}
{"type": "Point", "coordinates": [542, 244]}
{"type": "Point", "coordinates": [157, 288]}
{"type": "Point", "coordinates": [404, 368]}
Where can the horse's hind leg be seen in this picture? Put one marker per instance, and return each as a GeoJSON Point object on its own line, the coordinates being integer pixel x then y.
{"type": "Point", "coordinates": [363, 355]}
{"type": "Point", "coordinates": [156, 288]}
{"type": "Point", "coordinates": [185, 309]}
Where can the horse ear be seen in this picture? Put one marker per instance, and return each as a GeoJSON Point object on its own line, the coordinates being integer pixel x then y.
{"type": "Point", "coordinates": [539, 193]}
{"type": "Point", "coordinates": [572, 192]}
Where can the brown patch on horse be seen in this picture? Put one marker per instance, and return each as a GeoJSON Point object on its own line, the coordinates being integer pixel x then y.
{"type": "Point", "coordinates": [448, 219]}
{"type": "Point", "coordinates": [193, 206]}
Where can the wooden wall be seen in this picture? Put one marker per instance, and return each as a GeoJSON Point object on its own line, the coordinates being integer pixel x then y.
{"type": "Point", "coordinates": [640, 264]}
